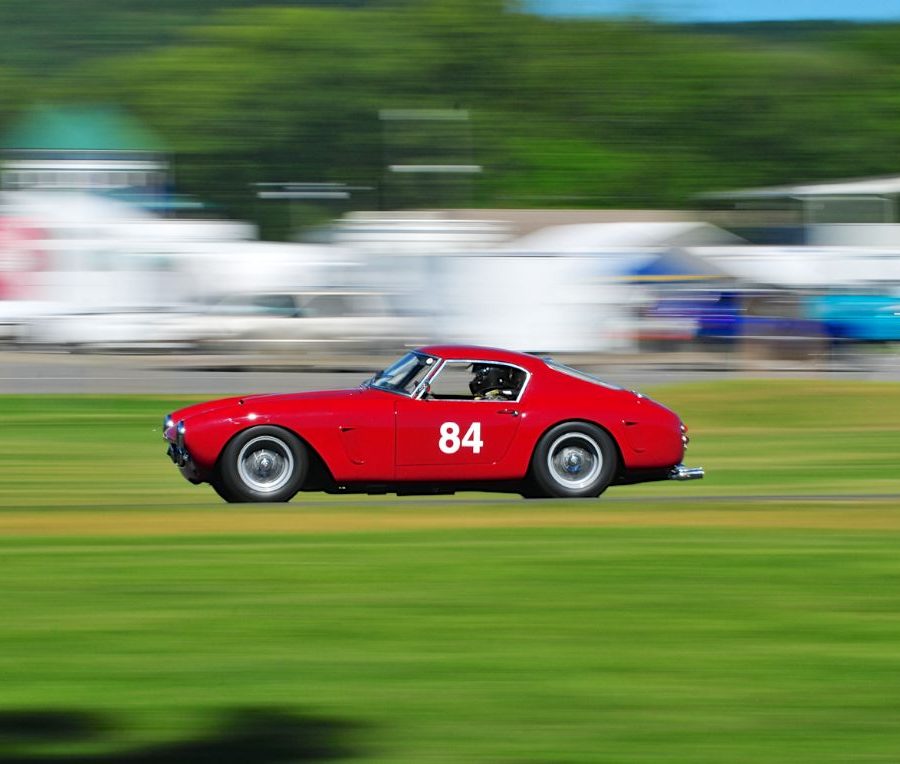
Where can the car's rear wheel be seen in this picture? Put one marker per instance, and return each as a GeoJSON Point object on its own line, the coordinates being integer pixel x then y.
{"type": "Point", "coordinates": [574, 459]}
{"type": "Point", "coordinates": [262, 464]}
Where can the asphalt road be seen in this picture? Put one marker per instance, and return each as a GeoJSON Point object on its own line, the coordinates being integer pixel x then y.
{"type": "Point", "coordinates": [63, 373]}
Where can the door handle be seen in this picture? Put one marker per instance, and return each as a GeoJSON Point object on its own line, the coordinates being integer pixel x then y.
{"type": "Point", "coordinates": [511, 412]}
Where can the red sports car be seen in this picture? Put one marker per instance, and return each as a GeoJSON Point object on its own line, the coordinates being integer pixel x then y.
{"type": "Point", "coordinates": [438, 420]}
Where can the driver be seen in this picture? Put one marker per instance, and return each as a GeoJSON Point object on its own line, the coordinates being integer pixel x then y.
{"type": "Point", "coordinates": [491, 382]}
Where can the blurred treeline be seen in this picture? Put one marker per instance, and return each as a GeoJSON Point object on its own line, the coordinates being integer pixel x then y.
{"type": "Point", "coordinates": [562, 113]}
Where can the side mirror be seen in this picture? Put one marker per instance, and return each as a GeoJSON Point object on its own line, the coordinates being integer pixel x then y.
{"type": "Point", "coordinates": [426, 391]}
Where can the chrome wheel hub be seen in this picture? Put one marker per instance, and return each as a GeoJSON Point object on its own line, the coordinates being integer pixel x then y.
{"type": "Point", "coordinates": [265, 464]}
{"type": "Point", "coordinates": [574, 460]}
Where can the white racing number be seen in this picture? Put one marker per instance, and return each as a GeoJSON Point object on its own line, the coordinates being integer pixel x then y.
{"type": "Point", "coordinates": [450, 443]}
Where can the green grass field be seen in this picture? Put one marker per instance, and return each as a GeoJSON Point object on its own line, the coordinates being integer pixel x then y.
{"type": "Point", "coordinates": [142, 620]}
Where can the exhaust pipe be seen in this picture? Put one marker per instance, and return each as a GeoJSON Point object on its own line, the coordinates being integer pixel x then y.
{"type": "Point", "coordinates": [680, 472]}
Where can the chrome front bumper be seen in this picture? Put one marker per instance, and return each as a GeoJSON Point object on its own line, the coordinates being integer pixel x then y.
{"type": "Point", "coordinates": [680, 472]}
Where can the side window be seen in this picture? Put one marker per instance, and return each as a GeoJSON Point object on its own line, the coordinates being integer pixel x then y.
{"type": "Point", "coordinates": [327, 306]}
{"type": "Point", "coordinates": [275, 304]}
{"type": "Point", "coordinates": [462, 380]}
{"type": "Point", "coordinates": [452, 382]}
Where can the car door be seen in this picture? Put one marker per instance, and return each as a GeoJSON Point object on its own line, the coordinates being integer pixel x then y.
{"type": "Point", "coordinates": [450, 433]}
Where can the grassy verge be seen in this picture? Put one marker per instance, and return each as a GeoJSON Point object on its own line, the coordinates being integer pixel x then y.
{"type": "Point", "coordinates": [144, 621]}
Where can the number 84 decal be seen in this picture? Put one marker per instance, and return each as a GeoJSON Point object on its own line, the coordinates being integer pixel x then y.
{"type": "Point", "coordinates": [450, 442]}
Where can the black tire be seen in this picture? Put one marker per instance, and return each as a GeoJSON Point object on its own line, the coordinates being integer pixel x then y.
{"type": "Point", "coordinates": [220, 489]}
{"type": "Point", "coordinates": [574, 460]}
{"type": "Point", "coordinates": [262, 464]}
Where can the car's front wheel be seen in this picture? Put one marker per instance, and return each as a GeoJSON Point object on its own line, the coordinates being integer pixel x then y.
{"type": "Point", "coordinates": [264, 464]}
{"type": "Point", "coordinates": [574, 459]}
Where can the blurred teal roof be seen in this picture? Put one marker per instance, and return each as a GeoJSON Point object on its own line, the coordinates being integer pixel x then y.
{"type": "Point", "coordinates": [67, 128]}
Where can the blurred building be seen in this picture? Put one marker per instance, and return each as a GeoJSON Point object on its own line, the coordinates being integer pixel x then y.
{"type": "Point", "coordinates": [99, 149]}
{"type": "Point", "coordinates": [861, 212]}
{"type": "Point", "coordinates": [576, 287]}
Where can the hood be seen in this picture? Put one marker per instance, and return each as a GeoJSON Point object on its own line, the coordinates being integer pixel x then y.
{"type": "Point", "coordinates": [268, 402]}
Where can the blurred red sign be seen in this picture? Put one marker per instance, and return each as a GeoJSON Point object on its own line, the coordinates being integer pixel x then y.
{"type": "Point", "coordinates": [20, 257]}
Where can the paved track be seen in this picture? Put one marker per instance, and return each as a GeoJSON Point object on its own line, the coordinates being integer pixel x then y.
{"type": "Point", "coordinates": [62, 373]}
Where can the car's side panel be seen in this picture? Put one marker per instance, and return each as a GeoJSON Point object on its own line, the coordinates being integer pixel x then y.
{"type": "Point", "coordinates": [646, 433]}
{"type": "Point", "coordinates": [353, 431]}
{"type": "Point", "coordinates": [443, 439]}
{"type": "Point", "coordinates": [358, 444]}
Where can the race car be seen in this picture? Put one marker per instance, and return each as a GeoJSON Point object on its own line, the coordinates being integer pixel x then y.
{"type": "Point", "coordinates": [440, 419]}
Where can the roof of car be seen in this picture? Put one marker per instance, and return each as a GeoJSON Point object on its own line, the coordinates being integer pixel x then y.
{"type": "Point", "coordinates": [479, 353]}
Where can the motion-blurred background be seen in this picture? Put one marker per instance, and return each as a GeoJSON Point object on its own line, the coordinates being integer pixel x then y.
{"type": "Point", "coordinates": [675, 188]}
{"type": "Point", "coordinates": [232, 176]}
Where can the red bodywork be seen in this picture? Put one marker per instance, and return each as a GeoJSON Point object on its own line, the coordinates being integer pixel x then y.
{"type": "Point", "coordinates": [368, 437]}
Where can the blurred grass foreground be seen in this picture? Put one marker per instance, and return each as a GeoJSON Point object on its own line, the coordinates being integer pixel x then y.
{"type": "Point", "coordinates": [146, 621]}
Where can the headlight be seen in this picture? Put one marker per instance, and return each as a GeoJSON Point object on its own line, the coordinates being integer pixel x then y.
{"type": "Point", "coordinates": [168, 428]}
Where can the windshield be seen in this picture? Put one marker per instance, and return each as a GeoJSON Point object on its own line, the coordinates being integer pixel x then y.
{"type": "Point", "coordinates": [404, 375]}
{"type": "Point", "coordinates": [579, 374]}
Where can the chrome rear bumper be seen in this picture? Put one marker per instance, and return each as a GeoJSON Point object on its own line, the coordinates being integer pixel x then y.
{"type": "Point", "coordinates": [680, 472]}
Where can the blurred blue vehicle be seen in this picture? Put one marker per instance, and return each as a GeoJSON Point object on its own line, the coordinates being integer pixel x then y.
{"type": "Point", "coordinates": [858, 317]}
{"type": "Point", "coordinates": [690, 315]}
{"type": "Point", "coordinates": [727, 316]}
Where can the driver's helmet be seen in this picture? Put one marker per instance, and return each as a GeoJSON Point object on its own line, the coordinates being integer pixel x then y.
{"type": "Point", "coordinates": [487, 378]}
